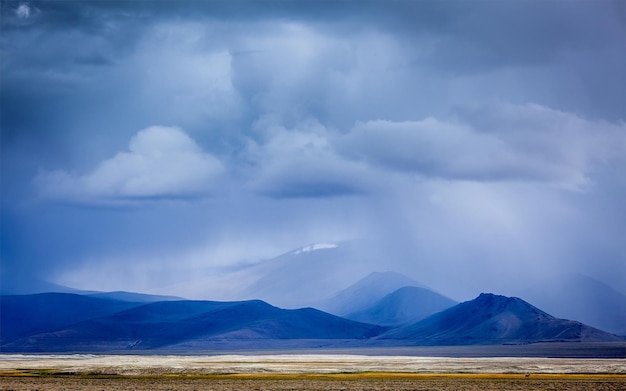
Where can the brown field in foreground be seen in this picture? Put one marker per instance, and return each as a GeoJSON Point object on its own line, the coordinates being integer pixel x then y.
{"type": "Point", "coordinates": [364, 381]}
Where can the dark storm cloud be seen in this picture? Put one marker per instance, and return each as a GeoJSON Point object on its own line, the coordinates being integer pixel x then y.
{"type": "Point", "coordinates": [496, 34]}
{"type": "Point", "coordinates": [94, 60]}
{"type": "Point", "coordinates": [446, 132]}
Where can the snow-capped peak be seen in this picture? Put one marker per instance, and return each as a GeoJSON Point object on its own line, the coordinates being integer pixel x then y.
{"type": "Point", "coordinates": [314, 247]}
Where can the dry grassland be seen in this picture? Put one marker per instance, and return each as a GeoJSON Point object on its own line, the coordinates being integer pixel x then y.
{"type": "Point", "coordinates": [335, 382]}
{"type": "Point", "coordinates": [306, 372]}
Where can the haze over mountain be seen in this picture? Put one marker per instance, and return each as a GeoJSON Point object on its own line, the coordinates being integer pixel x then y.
{"type": "Point", "coordinates": [580, 297]}
{"type": "Point", "coordinates": [365, 292]}
{"type": "Point", "coordinates": [134, 297]}
{"type": "Point", "coordinates": [494, 319]}
{"type": "Point", "coordinates": [308, 275]}
{"type": "Point", "coordinates": [25, 284]}
{"type": "Point", "coordinates": [301, 277]}
{"type": "Point", "coordinates": [405, 305]}
{"type": "Point", "coordinates": [320, 275]}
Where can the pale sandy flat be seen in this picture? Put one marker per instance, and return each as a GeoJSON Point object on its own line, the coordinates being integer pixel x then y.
{"type": "Point", "coordinates": [301, 364]}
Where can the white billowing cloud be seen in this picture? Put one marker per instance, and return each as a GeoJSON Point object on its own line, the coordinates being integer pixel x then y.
{"type": "Point", "coordinates": [502, 142]}
{"type": "Point", "coordinates": [300, 162]}
{"type": "Point", "coordinates": [160, 162]}
{"type": "Point", "coordinates": [23, 11]}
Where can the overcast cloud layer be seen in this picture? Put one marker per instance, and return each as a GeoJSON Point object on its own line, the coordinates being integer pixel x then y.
{"type": "Point", "coordinates": [467, 143]}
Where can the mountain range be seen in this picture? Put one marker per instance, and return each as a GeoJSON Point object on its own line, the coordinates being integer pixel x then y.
{"type": "Point", "coordinates": [63, 322]}
{"type": "Point", "coordinates": [337, 278]}
{"type": "Point", "coordinates": [379, 309]}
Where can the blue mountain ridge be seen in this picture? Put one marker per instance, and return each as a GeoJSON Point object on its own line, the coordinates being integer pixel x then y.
{"type": "Point", "coordinates": [134, 297]}
{"type": "Point", "coordinates": [73, 323]}
{"type": "Point", "coordinates": [26, 315]}
{"type": "Point", "coordinates": [161, 324]}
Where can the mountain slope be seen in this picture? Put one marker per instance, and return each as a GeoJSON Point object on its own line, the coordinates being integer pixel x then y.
{"type": "Point", "coordinates": [295, 279]}
{"type": "Point", "coordinates": [24, 315]}
{"type": "Point", "coordinates": [405, 305]}
{"type": "Point", "coordinates": [162, 324]}
{"type": "Point", "coordinates": [301, 277]}
{"type": "Point", "coordinates": [492, 319]}
{"type": "Point", "coordinates": [361, 295]}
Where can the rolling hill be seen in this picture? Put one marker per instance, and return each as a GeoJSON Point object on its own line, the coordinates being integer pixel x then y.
{"type": "Point", "coordinates": [493, 319]}
{"type": "Point", "coordinates": [134, 297]}
{"type": "Point", "coordinates": [25, 315]}
{"type": "Point", "coordinates": [160, 324]}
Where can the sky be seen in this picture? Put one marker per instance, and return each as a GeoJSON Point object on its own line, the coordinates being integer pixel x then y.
{"type": "Point", "coordinates": [465, 144]}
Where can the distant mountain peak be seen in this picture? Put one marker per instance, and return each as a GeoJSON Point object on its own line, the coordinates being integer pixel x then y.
{"type": "Point", "coordinates": [390, 275]}
{"type": "Point", "coordinates": [495, 319]}
{"type": "Point", "coordinates": [403, 306]}
{"type": "Point", "coordinates": [387, 280]}
{"type": "Point", "coordinates": [486, 296]}
{"type": "Point", "coordinates": [491, 299]}
{"type": "Point", "coordinates": [368, 290]}
{"type": "Point", "coordinates": [501, 303]}
{"type": "Point", "coordinates": [315, 247]}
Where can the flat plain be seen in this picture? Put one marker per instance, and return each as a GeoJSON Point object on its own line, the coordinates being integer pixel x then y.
{"type": "Point", "coordinates": [306, 372]}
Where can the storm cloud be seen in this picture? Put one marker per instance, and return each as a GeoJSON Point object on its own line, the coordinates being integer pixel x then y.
{"type": "Point", "coordinates": [148, 143]}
